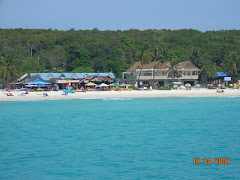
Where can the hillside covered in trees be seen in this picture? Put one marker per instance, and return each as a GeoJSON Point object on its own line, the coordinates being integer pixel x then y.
{"type": "Point", "coordinates": [37, 50]}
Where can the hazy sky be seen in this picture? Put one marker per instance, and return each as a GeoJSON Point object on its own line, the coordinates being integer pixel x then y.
{"type": "Point", "coordinates": [120, 14]}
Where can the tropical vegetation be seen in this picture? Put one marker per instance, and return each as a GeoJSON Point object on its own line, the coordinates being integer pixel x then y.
{"type": "Point", "coordinates": [39, 50]}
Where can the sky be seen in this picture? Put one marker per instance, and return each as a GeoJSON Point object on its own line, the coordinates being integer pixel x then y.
{"type": "Point", "coordinates": [202, 15]}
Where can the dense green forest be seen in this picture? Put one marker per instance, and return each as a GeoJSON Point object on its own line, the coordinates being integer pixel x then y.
{"type": "Point", "coordinates": [38, 50]}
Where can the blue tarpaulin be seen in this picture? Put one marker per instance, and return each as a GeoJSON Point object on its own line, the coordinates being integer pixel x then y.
{"type": "Point", "coordinates": [38, 81]}
{"type": "Point", "coordinates": [222, 74]}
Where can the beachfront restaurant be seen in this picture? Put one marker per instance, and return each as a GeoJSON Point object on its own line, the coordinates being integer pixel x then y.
{"type": "Point", "coordinates": [58, 81]}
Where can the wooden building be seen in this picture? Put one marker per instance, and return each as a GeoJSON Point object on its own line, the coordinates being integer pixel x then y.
{"type": "Point", "coordinates": [162, 73]}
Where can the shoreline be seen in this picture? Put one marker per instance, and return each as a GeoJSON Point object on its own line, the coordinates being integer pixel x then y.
{"type": "Point", "coordinates": [57, 95]}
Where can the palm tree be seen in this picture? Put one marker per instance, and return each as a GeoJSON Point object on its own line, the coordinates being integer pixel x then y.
{"type": "Point", "coordinates": [196, 57]}
{"type": "Point", "coordinates": [232, 64]}
{"type": "Point", "coordinates": [155, 59]}
{"type": "Point", "coordinates": [146, 57]}
{"type": "Point", "coordinates": [208, 70]}
{"type": "Point", "coordinates": [8, 70]}
{"type": "Point", "coordinates": [173, 71]}
{"type": "Point", "coordinates": [159, 53]}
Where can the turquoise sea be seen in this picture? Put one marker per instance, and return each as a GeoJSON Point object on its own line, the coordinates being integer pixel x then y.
{"type": "Point", "coordinates": [152, 138]}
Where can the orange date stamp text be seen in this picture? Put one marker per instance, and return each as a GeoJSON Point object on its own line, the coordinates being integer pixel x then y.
{"type": "Point", "coordinates": [211, 161]}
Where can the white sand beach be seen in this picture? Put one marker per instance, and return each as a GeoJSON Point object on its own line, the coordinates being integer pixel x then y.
{"type": "Point", "coordinates": [201, 92]}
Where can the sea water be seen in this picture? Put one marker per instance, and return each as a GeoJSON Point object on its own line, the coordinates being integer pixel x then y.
{"type": "Point", "coordinates": [152, 138]}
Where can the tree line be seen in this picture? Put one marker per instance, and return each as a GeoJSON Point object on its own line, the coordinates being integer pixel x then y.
{"type": "Point", "coordinates": [39, 50]}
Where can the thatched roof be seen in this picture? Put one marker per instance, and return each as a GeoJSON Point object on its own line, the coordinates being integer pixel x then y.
{"type": "Point", "coordinates": [155, 65]}
{"type": "Point", "coordinates": [136, 65]}
{"type": "Point", "coordinates": [187, 65]}
{"type": "Point", "coordinates": [159, 65]}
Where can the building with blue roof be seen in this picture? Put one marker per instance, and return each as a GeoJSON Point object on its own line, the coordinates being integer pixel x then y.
{"type": "Point", "coordinates": [222, 74]}
{"type": "Point", "coordinates": [222, 77]}
{"type": "Point", "coordinates": [63, 80]}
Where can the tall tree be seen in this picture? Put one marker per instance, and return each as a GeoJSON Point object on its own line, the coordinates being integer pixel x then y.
{"type": "Point", "coordinates": [8, 69]}
{"type": "Point", "coordinates": [159, 53]}
{"type": "Point", "coordinates": [196, 57]}
{"type": "Point", "coordinates": [172, 70]}
{"type": "Point", "coordinates": [208, 70]}
{"type": "Point", "coordinates": [146, 57]}
{"type": "Point", "coordinates": [232, 64]}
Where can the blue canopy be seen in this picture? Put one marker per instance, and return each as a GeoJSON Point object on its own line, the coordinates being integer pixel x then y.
{"type": "Point", "coordinates": [222, 74]}
{"type": "Point", "coordinates": [37, 81]}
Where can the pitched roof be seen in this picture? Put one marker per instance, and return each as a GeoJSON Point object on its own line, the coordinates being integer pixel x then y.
{"type": "Point", "coordinates": [38, 80]}
{"type": "Point", "coordinates": [159, 65]}
{"type": "Point", "coordinates": [136, 65]}
{"type": "Point", "coordinates": [187, 65]}
{"type": "Point", "coordinates": [51, 77]}
{"type": "Point", "coordinates": [48, 76]}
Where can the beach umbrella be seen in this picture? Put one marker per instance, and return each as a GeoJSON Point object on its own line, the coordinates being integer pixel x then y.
{"type": "Point", "coordinates": [123, 85]}
{"type": "Point", "coordinates": [114, 85]}
{"type": "Point", "coordinates": [39, 89]}
{"type": "Point", "coordinates": [90, 84]}
{"type": "Point", "coordinates": [220, 85]}
{"type": "Point", "coordinates": [187, 85]}
{"type": "Point", "coordinates": [103, 85]}
{"type": "Point", "coordinates": [198, 85]}
{"type": "Point", "coordinates": [9, 90]}
{"type": "Point", "coordinates": [231, 85]}
{"type": "Point", "coordinates": [210, 85]}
